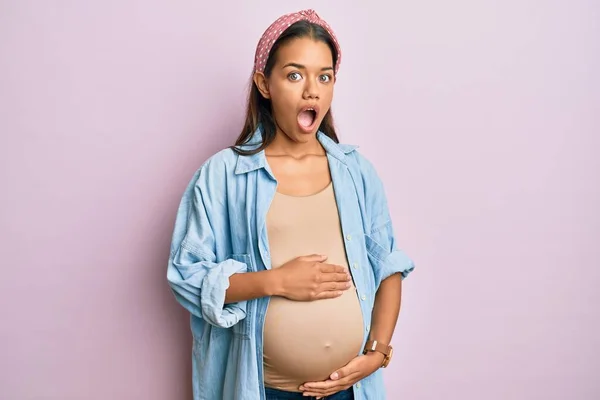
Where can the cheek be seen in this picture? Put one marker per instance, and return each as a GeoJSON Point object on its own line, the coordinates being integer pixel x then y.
{"type": "Point", "coordinates": [283, 100]}
{"type": "Point", "coordinates": [328, 94]}
{"type": "Point", "coordinates": [281, 107]}
{"type": "Point", "coordinates": [326, 99]}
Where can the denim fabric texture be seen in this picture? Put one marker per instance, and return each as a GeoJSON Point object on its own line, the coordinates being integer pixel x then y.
{"type": "Point", "coordinates": [220, 230]}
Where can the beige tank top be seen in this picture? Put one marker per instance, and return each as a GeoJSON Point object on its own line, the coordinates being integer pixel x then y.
{"type": "Point", "coordinates": [307, 341]}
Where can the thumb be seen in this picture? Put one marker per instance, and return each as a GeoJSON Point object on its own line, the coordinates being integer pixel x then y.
{"type": "Point", "coordinates": [339, 374]}
{"type": "Point", "coordinates": [345, 370]}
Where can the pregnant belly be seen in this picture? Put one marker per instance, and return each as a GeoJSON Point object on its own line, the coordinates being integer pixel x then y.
{"type": "Point", "coordinates": [307, 341]}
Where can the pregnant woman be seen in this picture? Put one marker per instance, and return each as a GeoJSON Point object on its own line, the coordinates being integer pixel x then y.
{"type": "Point", "coordinates": [283, 250]}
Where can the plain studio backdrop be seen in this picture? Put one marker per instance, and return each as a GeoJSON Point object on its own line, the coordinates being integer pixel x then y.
{"type": "Point", "coordinates": [482, 118]}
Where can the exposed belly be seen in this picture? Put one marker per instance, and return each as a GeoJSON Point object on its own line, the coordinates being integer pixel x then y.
{"type": "Point", "coordinates": [307, 341]}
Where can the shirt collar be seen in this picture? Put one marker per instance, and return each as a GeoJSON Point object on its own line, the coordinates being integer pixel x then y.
{"type": "Point", "coordinates": [259, 160]}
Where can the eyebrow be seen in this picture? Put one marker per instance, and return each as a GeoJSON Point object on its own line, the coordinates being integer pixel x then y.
{"type": "Point", "coordinates": [300, 66]}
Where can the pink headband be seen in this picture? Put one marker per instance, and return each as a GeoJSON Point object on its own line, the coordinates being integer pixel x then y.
{"type": "Point", "coordinates": [279, 26]}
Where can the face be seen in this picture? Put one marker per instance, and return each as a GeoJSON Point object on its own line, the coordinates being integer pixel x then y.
{"type": "Point", "coordinates": [300, 87]}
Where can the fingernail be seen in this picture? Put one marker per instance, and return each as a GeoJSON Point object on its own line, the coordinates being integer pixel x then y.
{"type": "Point", "coordinates": [334, 376]}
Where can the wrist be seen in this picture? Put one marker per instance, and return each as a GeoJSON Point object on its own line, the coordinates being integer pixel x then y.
{"type": "Point", "coordinates": [273, 283]}
{"type": "Point", "coordinates": [376, 357]}
{"type": "Point", "coordinates": [374, 346]}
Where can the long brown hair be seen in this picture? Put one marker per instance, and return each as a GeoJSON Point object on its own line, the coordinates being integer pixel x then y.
{"type": "Point", "coordinates": [259, 111]}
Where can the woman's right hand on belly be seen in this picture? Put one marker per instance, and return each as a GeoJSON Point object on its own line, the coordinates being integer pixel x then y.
{"type": "Point", "coordinates": [308, 278]}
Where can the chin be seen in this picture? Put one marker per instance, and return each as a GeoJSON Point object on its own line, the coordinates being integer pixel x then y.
{"type": "Point", "coordinates": [304, 135]}
{"type": "Point", "coordinates": [299, 135]}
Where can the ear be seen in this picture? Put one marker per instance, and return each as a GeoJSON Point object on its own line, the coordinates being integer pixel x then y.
{"type": "Point", "coordinates": [262, 84]}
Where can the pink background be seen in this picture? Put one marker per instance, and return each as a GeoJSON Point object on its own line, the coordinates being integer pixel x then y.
{"type": "Point", "coordinates": [481, 116]}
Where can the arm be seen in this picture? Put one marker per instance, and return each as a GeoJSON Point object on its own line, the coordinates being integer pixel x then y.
{"type": "Point", "coordinates": [390, 264]}
{"type": "Point", "coordinates": [250, 286]}
{"type": "Point", "coordinates": [385, 311]}
{"type": "Point", "coordinates": [197, 279]}
{"type": "Point", "coordinates": [303, 278]}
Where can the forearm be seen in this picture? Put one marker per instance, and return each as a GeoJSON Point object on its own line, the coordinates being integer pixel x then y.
{"type": "Point", "coordinates": [250, 285]}
{"type": "Point", "coordinates": [386, 309]}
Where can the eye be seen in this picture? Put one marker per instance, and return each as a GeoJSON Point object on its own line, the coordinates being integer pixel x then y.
{"type": "Point", "coordinates": [294, 76]}
{"type": "Point", "coordinates": [325, 78]}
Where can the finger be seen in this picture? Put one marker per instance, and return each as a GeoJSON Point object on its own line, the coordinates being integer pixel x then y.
{"type": "Point", "coordinates": [322, 387]}
{"type": "Point", "coordinates": [335, 286]}
{"type": "Point", "coordinates": [332, 289]}
{"type": "Point", "coordinates": [322, 392]}
{"type": "Point", "coordinates": [333, 268]}
{"type": "Point", "coordinates": [317, 395]}
{"type": "Point", "coordinates": [329, 294]}
{"type": "Point", "coordinates": [344, 372]}
{"type": "Point", "coordinates": [336, 277]}
{"type": "Point", "coordinates": [326, 392]}
{"type": "Point", "coordinates": [313, 257]}
{"type": "Point", "coordinates": [330, 391]}
{"type": "Point", "coordinates": [341, 277]}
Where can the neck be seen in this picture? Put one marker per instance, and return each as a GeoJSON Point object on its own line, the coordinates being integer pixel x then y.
{"type": "Point", "coordinates": [284, 145]}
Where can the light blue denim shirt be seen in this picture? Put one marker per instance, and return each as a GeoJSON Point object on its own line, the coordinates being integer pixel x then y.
{"type": "Point", "coordinates": [220, 231]}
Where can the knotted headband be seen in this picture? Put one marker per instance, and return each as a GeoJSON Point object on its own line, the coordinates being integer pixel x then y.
{"type": "Point", "coordinates": [270, 36]}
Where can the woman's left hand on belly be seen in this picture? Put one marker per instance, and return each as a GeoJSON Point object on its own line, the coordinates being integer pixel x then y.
{"type": "Point", "coordinates": [342, 379]}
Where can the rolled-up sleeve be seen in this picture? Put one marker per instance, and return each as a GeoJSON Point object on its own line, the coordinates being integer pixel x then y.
{"type": "Point", "coordinates": [386, 256]}
{"type": "Point", "coordinates": [198, 280]}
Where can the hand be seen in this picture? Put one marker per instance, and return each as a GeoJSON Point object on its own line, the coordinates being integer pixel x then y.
{"type": "Point", "coordinates": [342, 379]}
{"type": "Point", "coordinates": [308, 278]}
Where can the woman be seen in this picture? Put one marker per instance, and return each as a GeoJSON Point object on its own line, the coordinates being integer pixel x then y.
{"type": "Point", "coordinates": [283, 249]}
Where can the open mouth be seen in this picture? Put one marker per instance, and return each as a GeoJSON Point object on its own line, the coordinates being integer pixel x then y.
{"type": "Point", "coordinates": [307, 118]}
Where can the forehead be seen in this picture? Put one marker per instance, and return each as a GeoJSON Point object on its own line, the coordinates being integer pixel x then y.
{"type": "Point", "coordinates": [305, 51]}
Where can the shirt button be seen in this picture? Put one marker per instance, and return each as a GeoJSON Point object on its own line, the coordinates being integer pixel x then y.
{"type": "Point", "coordinates": [367, 328]}
{"type": "Point", "coordinates": [358, 385]}
{"type": "Point", "coordinates": [355, 266]}
{"type": "Point", "coordinates": [363, 297]}
{"type": "Point", "coordinates": [348, 237]}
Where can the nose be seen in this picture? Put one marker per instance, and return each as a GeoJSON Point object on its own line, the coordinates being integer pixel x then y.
{"type": "Point", "coordinates": [311, 90]}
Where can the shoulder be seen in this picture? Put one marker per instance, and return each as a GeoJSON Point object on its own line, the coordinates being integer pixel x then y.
{"type": "Point", "coordinates": [359, 161]}
{"type": "Point", "coordinates": [215, 171]}
{"type": "Point", "coordinates": [225, 158]}
{"type": "Point", "coordinates": [219, 164]}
